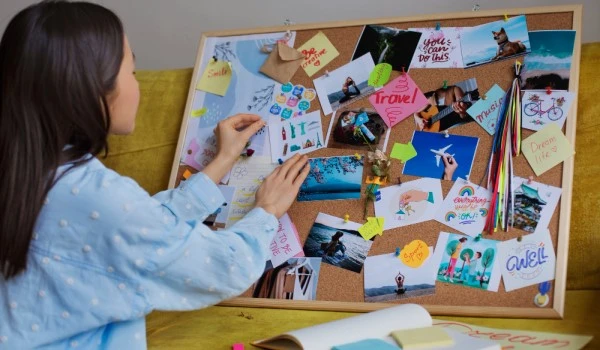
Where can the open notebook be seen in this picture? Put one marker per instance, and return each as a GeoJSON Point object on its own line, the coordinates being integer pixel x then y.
{"type": "Point", "coordinates": [378, 324]}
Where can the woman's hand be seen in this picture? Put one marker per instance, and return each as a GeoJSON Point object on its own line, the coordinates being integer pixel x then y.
{"type": "Point", "coordinates": [279, 190]}
{"type": "Point", "coordinates": [450, 166]}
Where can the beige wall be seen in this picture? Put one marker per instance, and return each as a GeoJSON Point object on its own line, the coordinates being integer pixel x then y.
{"type": "Point", "coordinates": [164, 34]}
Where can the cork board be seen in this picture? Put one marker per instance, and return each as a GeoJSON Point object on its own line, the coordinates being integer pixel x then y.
{"type": "Point", "coordinates": [343, 290]}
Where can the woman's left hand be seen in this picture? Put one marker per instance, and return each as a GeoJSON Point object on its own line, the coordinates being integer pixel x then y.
{"type": "Point", "coordinates": [234, 132]}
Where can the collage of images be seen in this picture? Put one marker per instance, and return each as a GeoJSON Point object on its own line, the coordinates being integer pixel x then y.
{"type": "Point", "coordinates": [461, 258]}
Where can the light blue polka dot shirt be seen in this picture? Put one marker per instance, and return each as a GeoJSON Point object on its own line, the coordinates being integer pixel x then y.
{"type": "Point", "coordinates": [104, 254]}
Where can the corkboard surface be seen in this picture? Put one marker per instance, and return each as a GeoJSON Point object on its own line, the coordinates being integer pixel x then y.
{"type": "Point", "coordinates": [340, 285]}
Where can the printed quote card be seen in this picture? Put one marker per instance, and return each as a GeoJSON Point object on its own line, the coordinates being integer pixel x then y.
{"type": "Point", "coordinates": [541, 108]}
{"type": "Point", "coordinates": [438, 48]}
{"type": "Point", "coordinates": [318, 52]}
{"type": "Point", "coordinates": [397, 100]}
{"type": "Point", "coordinates": [534, 204]}
{"type": "Point", "coordinates": [465, 208]}
{"type": "Point", "coordinates": [286, 243]}
{"type": "Point", "coordinates": [546, 148]}
{"type": "Point", "coordinates": [302, 134]}
{"type": "Point", "coordinates": [485, 111]}
{"type": "Point", "coordinates": [528, 262]}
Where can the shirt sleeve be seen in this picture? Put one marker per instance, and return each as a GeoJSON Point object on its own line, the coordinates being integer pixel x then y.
{"type": "Point", "coordinates": [176, 262]}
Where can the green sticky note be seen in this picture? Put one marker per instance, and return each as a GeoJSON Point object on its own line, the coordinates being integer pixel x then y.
{"type": "Point", "coordinates": [419, 338]}
{"type": "Point", "coordinates": [380, 75]}
{"type": "Point", "coordinates": [373, 227]}
{"type": "Point", "coordinates": [403, 152]}
{"type": "Point", "coordinates": [546, 148]}
{"type": "Point", "coordinates": [199, 112]}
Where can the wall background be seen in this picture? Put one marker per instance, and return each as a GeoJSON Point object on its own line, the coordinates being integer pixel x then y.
{"type": "Point", "coordinates": [165, 34]}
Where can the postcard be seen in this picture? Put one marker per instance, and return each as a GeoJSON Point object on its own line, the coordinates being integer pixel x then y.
{"type": "Point", "coordinates": [534, 204]}
{"type": "Point", "coordinates": [447, 107]}
{"type": "Point", "coordinates": [357, 129]}
{"type": "Point", "coordinates": [295, 279]}
{"type": "Point", "coordinates": [465, 208]}
{"type": "Point", "coordinates": [337, 242]}
{"type": "Point", "coordinates": [469, 262]}
{"type": "Point", "coordinates": [286, 243]}
{"type": "Point", "coordinates": [345, 85]}
{"type": "Point", "coordinates": [541, 108]}
{"type": "Point", "coordinates": [410, 202]}
{"type": "Point", "coordinates": [302, 134]}
{"type": "Point", "coordinates": [388, 45]}
{"type": "Point", "coordinates": [495, 41]}
{"type": "Point", "coordinates": [441, 157]}
{"type": "Point", "coordinates": [332, 178]}
{"type": "Point", "coordinates": [388, 278]}
{"type": "Point", "coordinates": [549, 63]}
{"type": "Point", "coordinates": [438, 48]}
{"type": "Point", "coordinates": [527, 262]}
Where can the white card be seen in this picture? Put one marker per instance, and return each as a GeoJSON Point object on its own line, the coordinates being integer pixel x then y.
{"type": "Point", "coordinates": [286, 243]}
{"type": "Point", "coordinates": [410, 202]}
{"type": "Point", "coordinates": [528, 262]}
{"type": "Point", "coordinates": [465, 208]}
{"type": "Point", "coordinates": [438, 48]}
{"type": "Point", "coordinates": [541, 108]}
{"type": "Point", "coordinates": [301, 134]}
{"type": "Point", "coordinates": [534, 204]}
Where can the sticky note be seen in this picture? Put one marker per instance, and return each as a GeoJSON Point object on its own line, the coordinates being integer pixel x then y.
{"type": "Point", "coordinates": [414, 253]}
{"type": "Point", "coordinates": [374, 226]}
{"type": "Point", "coordinates": [216, 77]}
{"type": "Point", "coordinates": [485, 112]}
{"type": "Point", "coordinates": [380, 75]}
{"type": "Point", "coordinates": [546, 148]}
{"type": "Point", "coordinates": [397, 100]}
{"type": "Point", "coordinates": [371, 344]}
{"type": "Point", "coordinates": [318, 52]}
{"type": "Point", "coordinates": [420, 338]}
{"type": "Point", "coordinates": [403, 152]}
{"type": "Point", "coordinates": [199, 112]}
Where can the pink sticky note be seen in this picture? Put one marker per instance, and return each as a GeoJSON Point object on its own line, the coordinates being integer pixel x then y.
{"type": "Point", "coordinates": [397, 100]}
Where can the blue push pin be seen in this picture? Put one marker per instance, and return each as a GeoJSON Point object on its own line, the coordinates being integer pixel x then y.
{"type": "Point", "coordinates": [280, 161]}
{"type": "Point", "coordinates": [377, 196]}
{"type": "Point", "coordinates": [397, 251]}
{"type": "Point", "coordinates": [437, 26]}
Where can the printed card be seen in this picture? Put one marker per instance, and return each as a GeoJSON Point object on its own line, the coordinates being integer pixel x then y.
{"type": "Point", "coordinates": [302, 134]}
{"type": "Point", "coordinates": [485, 111]}
{"type": "Point", "coordinates": [546, 149]}
{"type": "Point", "coordinates": [318, 52]}
{"type": "Point", "coordinates": [399, 99]}
{"type": "Point", "coordinates": [286, 243]}
{"type": "Point", "coordinates": [469, 262]}
{"type": "Point", "coordinates": [528, 262]}
{"type": "Point", "coordinates": [541, 108]}
{"type": "Point", "coordinates": [534, 204]}
{"type": "Point", "coordinates": [410, 202]}
{"type": "Point", "coordinates": [295, 279]}
{"type": "Point", "coordinates": [465, 208]}
{"type": "Point", "coordinates": [438, 48]}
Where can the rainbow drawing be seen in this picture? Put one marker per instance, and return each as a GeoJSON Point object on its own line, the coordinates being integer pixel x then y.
{"type": "Point", "coordinates": [450, 215]}
{"type": "Point", "coordinates": [483, 212]}
{"type": "Point", "coordinates": [466, 190]}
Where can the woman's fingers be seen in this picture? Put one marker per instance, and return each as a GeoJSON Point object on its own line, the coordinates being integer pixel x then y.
{"type": "Point", "coordinates": [301, 176]}
{"type": "Point", "coordinates": [296, 168]}
{"type": "Point", "coordinates": [252, 129]}
{"type": "Point", "coordinates": [285, 167]}
{"type": "Point", "coordinates": [242, 120]}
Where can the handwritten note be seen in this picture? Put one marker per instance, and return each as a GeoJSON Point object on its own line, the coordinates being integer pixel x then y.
{"type": "Point", "coordinates": [546, 148]}
{"type": "Point", "coordinates": [286, 243]}
{"type": "Point", "coordinates": [485, 112]}
{"type": "Point", "coordinates": [397, 100]}
{"type": "Point", "coordinates": [403, 152]}
{"type": "Point", "coordinates": [373, 227]}
{"type": "Point", "coordinates": [318, 52]}
{"type": "Point", "coordinates": [247, 175]}
{"type": "Point", "coordinates": [216, 77]}
{"type": "Point", "coordinates": [528, 262]}
{"type": "Point", "coordinates": [438, 48]}
{"type": "Point", "coordinates": [465, 208]}
{"type": "Point", "coordinates": [380, 75]}
{"type": "Point", "coordinates": [414, 253]}
{"type": "Point", "coordinates": [541, 108]}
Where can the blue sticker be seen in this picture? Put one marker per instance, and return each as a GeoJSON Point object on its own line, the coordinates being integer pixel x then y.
{"type": "Point", "coordinates": [303, 105]}
{"type": "Point", "coordinates": [286, 113]}
{"type": "Point", "coordinates": [298, 90]}
{"type": "Point", "coordinates": [287, 87]}
{"type": "Point", "coordinates": [275, 109]}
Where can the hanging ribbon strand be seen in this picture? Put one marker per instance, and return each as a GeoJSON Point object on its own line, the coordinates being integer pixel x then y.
{"type": "Point", "coordinates": [506, 145]}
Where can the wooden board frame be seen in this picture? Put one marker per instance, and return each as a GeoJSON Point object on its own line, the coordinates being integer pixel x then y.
{"type": "Point", "coordinates": [558, 300]}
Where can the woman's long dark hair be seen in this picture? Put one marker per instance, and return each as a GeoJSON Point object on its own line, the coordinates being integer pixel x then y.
{"type": "Point", "coordinates": [58, 63]}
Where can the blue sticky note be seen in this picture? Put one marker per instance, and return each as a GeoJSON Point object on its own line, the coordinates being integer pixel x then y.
{"type": "Point", "coordinates": [371, 344]}
{"type": "Point", "coordinates": [485, 112]}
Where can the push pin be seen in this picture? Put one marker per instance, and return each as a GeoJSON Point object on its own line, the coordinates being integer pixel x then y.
{"type": "Point", "coordinates": [437, 26]}
{"type": "Point", "coordinates": [505, 17]}
{"type": "Point", "coordinates": [214, 58]}
{"type": "Point", "coordinates": [279, 161]}
{"type": "Point", "coordinates": [446, 135]}
{"type": "Point", "coordinates": [445, 86]}
{"type": "Point", "coordinates": [466, 181]}
{"type": "Point", "coordinates": [519, 239]}
{"type": "Point", "coordinates": [327, 73]}
{"type": "Point", "coordinates": [548, 90]}
{"type": "Point", "coordinates": [346, 218]}
{"type": "Point", "coordinates": [399, 181]}
{"type": "Point", "coordinates": [403, 71]}
{"type": "Point", "coordinates": [484, 97]}
{"type": "Point", "coordinates": [530, 180]}
{"type": "Point", "coordinates": [397, 251]}
{"type": "Point", "coordinates": [475, 8]}
{"type": "Point", "coordinates": [357, 156]}
{"type": "Point", "coordinates": [186, 174]}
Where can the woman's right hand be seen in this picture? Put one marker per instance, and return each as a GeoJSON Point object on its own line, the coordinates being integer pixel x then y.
{"type": "Point", "coordinates": [279, 190]}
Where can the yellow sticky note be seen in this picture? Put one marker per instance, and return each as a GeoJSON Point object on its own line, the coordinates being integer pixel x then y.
{"type": "Point", "coordinates": [318, 52]}
{"type": "Point", "coordinates": [374, 226]}
{"type": "Point", "coordinates": [216, 77]}
{"type": "Point", "coordinates": [418, 338]}
{"type": "Point", "coordinates": [546, 148]}
{"type": "Point", "coordinates": [414, 253]}
{"type": "Point", "coordinates": [199, 112]}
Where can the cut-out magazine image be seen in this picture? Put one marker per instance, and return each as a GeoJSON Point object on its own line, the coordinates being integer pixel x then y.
{"type": "Point", "coordinates": [337, 242]}
{"type": "Point", "coordinates": [495, 41]}
{"type": "Point", "coordinates": [295, 279]}
{"type": "Point", "coordinates": [332, 178]}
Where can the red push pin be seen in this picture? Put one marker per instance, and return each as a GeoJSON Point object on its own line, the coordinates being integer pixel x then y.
{"type": "Point", "coordinates": [548, 90]}
{"type": "Point", "coordinates": [403, 72]}
{"type": "Point", "coordinates": [530, 180]}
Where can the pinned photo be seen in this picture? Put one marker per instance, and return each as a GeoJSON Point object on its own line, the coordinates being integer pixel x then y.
{"type": "Point", "coordinates": [357, 129]}
{"type": "Point", "coordinates": [332, 178]}
{"type": "Point", "coordinates": [495, 41]}
{"type": "Point", "coordinates": [345, 84]}
{"type": "Point", "coordinates": [388, 45]}
{"type": "Point", "coordinates": [295, 279]}
{"type": "Point", "coordinates": [549, 63]}
{"type": "Point", "coordinates": [337, 242]}
{"type": "Point", "coordinates": [534, 204]}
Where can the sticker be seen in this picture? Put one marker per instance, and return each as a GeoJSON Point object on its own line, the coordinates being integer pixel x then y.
{"type": "Point", "coordinates": [292, 101]}
{"type": "Point", "coordinates": [275, 109]}
{"type": "Point", "coordinates": [303, 105]}
{"type": "Point", "coordinates": [286, 113]}
{"type": "Point", "coordinates": [414, 253]}
{"type": "Point", "coordinates": [310, 94]}
{"type": "Point", "coordinates": [287, 87]}
{"type": "Point", "coordinates": [280, 98]}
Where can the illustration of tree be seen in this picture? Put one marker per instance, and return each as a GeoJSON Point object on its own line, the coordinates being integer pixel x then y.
{"type": "Point", "coordinates": [463, 256]}
{"type": "Point", "coordinates": [261, 98]}
{"type": "Point", "coordinates": [224, 51]}
{"type": "Point", "coordinates": [486, 260]}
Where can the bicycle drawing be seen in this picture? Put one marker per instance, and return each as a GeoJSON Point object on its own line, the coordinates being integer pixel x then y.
{"type": "Point", "coordinates": [534, 108]}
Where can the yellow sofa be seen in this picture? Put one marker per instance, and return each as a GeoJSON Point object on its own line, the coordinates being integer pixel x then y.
{"type": "Point", "coordinates": [147, 155]}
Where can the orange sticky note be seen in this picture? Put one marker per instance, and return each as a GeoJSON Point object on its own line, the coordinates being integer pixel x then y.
{"type": "Point", "coordinates": [216, 77]}
{"type": "Point", "coordinates": [187, 174]}
{"type": "Point", "coordinates": [414, 253]}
